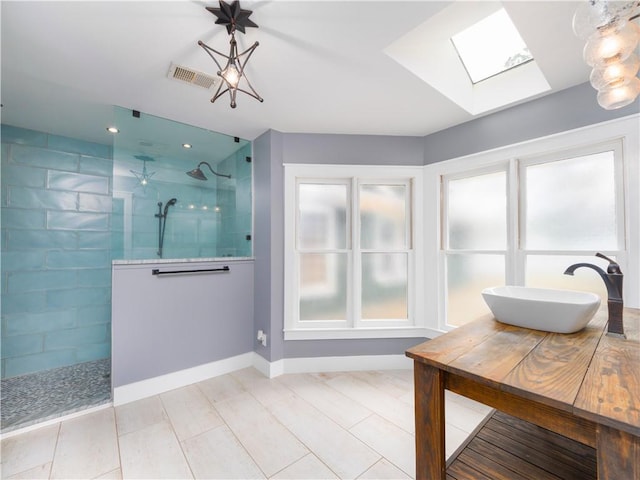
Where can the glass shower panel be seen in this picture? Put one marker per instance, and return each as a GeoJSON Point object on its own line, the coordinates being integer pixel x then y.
{"type": "Point", "coordinates": [175, 202]}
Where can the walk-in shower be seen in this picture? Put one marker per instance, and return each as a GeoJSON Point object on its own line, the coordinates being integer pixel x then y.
{"type": "Point", "coordinates": [92, 211]}
{"type": "Point", "coordinates": [162, 222]}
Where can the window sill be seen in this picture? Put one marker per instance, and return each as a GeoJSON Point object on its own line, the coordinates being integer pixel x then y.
{"type": "Point", "coordinates": [355, 333]}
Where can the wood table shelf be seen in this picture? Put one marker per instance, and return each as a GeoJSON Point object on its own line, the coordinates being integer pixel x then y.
{"type": "Point", "coordinates": [507, 448]}
{"type": "Point", "coordinates": [584, 386]}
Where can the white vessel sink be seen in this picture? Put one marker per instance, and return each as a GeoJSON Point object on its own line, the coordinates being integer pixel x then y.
{"type": "Point", "coordinates": [561, 311]}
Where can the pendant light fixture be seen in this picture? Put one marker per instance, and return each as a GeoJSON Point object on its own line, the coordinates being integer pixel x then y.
{"type": "Point", "coordinates": [611, 39]}
{"type": "Point", "coordinates": [232, 74]}
{"type": "Point", "coordinates": [144, 176]}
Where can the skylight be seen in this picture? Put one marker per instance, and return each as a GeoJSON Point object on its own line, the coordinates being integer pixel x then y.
{"type": "Point", "coordinates": [490, 47]}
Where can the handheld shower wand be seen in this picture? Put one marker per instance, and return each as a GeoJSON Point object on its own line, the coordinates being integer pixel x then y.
{"type": "Point", "coordinates": [162, 222]}
{"type": "Point", "coordinates": [169, 203]}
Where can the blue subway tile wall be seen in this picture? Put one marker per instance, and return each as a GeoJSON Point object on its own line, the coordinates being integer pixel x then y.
{"type": "Point", "coordinates": [42, 157]}
{"type": "Point", "coordinates": [56, 251]}
{"type": "Point", "coordinates": [66, 144]}
{"type": "Point", "coordinates": [23, 136]}
{"type": "Point", "coordinates": [24, 322]}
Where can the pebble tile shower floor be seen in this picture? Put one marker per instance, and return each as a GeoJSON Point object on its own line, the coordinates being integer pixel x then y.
{"type": "Point", "coordinates": [37, 397]}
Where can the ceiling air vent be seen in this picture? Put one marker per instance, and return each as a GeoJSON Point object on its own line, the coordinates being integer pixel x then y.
{"type": "Point", "coordinates": [189, 75]}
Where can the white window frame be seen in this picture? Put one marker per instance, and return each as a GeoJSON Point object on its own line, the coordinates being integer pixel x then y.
{"type": "Point", "coordinates": [506, 167]}
{"type": "Point", "coordinates": [624, 131]}
{"type": "Point", "coordinates": [620, 251]}
{"type": "Point", "coordinates": [355, 327]}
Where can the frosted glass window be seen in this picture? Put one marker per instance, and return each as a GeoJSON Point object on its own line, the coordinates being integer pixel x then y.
{"type": "Point", "coordinates": [467, 276]}
{"type": "Point", "coordinates": [384, 286]}
{"type": "Point", "coordinates": [323, 286]}
{"type": "Point", "coordinates": [547, 271]}
{"type": "Point", "coordinates": [322, 209]}
{"type": "Point", "coordinates": [383, 216]}
{"type": "Point", "coordinates": [477, 212]}
{"type": "Point", "coordinates": [571, 204]}
{"type": "Point", "coordinates": [352, 259]}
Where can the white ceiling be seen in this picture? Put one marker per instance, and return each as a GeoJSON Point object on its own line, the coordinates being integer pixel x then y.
{"type": "Point", "coordinates": [321, 66]}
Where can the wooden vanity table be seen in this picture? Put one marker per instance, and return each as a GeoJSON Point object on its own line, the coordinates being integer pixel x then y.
{"type": "Point", "coordinates": [585, 386]}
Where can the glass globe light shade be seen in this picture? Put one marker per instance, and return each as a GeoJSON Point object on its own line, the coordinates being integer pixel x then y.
{"type": "Point", "coordinates": [623, 8]}
{"type": "Point", "coordinates": [613, 73]}
{"type": "Point", "coordinates": [611, 42]}
{"type": "Point", "coordinates": [590, 15]}
{"type": "Point", "coordinates": [231, 75]}
{"type": "Point", "coordinates": [620, 96]}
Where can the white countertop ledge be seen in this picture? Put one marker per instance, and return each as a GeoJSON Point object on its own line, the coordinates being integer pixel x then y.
{"type": "Point", "coordinates": [170, 261]}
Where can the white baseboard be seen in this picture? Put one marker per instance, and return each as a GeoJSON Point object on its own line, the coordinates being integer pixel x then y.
{"type": "Point", "coordinates": [331, 364]}
{"type": "Point", "coordinates": [164, 383]}
{"type": "Point", "coordinates": [346, 364]}
{"type": "Point", "coordinates": [267, 368]}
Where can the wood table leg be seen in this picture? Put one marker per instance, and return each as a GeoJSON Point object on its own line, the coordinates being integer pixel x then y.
{"type": "Point", "coordinates": [618, 454]}
{"type": "Point", "coordinates": [429, 412]}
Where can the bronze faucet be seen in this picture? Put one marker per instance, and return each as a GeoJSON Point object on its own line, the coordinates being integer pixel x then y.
{"type": "Point", "coordinates": [613, 281]}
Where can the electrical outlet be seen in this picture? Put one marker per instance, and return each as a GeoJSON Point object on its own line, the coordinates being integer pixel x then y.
{"type": "Point", "coordinates": [262, 338]}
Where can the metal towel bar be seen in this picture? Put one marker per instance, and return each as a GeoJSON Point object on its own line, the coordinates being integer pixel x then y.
{"type": "Point", "coordinates": [156, 271]}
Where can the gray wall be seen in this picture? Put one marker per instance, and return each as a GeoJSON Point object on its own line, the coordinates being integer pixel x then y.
{"type": "Point", "coordinates": [346, 348]}
{"type": "Point", "coordinates": [271, 150]}
{"type": "Point", "coordinates": [352, 149]}
{"type": "Point", "coordinates": [268, 244]}
{"type": "Point", "coordinates": [565, 110]}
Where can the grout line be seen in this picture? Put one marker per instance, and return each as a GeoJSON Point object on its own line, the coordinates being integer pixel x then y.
{"type": "Point", "coordinates": [55, 449]}
{"type": "Point", "coordinates": [115, 419]}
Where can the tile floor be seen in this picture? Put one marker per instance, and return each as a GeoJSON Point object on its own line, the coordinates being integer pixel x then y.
{"type": "Point", "coordinates": [244, 426]}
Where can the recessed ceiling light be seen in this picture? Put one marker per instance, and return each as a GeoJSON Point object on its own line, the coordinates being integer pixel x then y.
{"type": "Point", "coordinates": [187, 145]}
{"type": "Point", "coordinates": [112, 130]}
{"type": "Point", "coordinates": [491, 46]}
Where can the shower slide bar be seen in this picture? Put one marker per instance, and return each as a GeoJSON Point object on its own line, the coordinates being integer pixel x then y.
{"type": "Point", "coordinates": [156, 271]}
